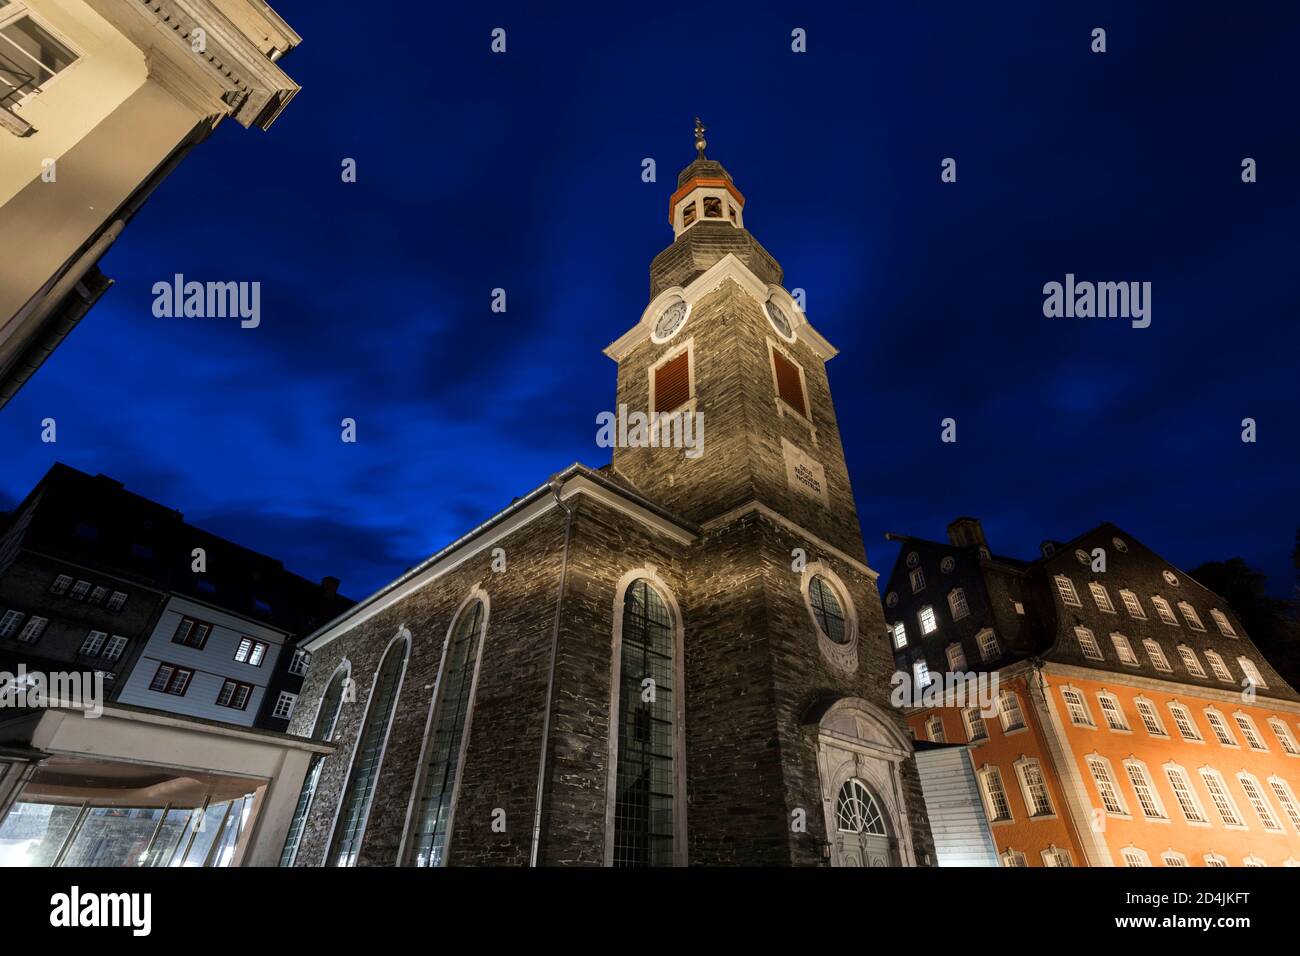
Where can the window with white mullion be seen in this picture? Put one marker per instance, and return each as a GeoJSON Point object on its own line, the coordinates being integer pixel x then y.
{"type": "Point", "coordinates": [1150, 717]}
{"type": "Point", "coordinates": [1284, 737]}
{"type": "Point", "coordinates": [1133, 605]}
{"type": "Point", "coordinates": [1255, 795]}
{"type": "Point", "coordinates": [1088, 644]}
{"type": "Point", "coordinates": [1217, 788]}
{"type": "Point", "coordinates": [1111, 800]}
{"type": "Point", "coordinates": [1124, 650]}
{"type": "Point", "coordinates": [1077, 707]}
{"type": "Point", "coordinates": [976, 729]}
{"type": "Point", "coordinates": [1184, 722]}
{"type": "Point", "coordinates": [1248, 730]}
{"type": "Point", "coordinates": [1157, 655]}
{"type": "Point", "coordinates": [1220, 727]}
{"type": "Point", "coordinates": [1286, 797]}
{"type": "Point", "coordinates": [995, 795]}
{"type": "Point", "coordinates": [1112, 711]}
{"type": "Point", "coordinates": [1101, 597]}
{"type": "Point", "coordinates": [1181, 784]}
{"type": "Point", "coordinates": [1065, 587]}
{"type": "Point", "coordinates": [1144, 789]}
{"type": "Point", "coordinates": [1034, 788]}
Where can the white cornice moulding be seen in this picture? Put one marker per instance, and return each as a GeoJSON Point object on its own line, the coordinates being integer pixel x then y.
{"type": "Point", "coordinates": [728, 267]}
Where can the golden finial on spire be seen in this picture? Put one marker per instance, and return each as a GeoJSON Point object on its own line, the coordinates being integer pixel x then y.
{"type": "Point", "coordinates": [699, 137]}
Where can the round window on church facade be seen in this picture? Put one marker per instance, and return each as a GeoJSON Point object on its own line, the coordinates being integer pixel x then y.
{"type": "Point", "coordinates": [827, 609]}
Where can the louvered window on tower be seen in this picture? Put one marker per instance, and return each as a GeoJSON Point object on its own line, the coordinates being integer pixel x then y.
{"type": "Point", "coordinates": [789, 384]}
{"type": "Point", "coordinates": [673, 383]}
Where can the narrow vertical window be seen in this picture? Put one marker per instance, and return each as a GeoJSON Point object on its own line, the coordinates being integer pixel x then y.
{"type": "Point", "coordinates": [450, 715]}
{"type": "Point", "coordinates": [326, 719]}
{"type": "Point", "coordinates": [644, 811]}
{"type": "Point", "coordinates": [355, 806]}
{"type": "Point", "coordinates": [789, 383]}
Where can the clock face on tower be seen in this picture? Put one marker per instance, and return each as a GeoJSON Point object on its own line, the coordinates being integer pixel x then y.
{"type": "Point", "coordinates": [670, 320]}
{"type": "Point", "coordinates": [779, 320]}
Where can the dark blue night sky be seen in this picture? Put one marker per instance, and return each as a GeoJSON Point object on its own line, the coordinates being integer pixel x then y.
{"type": "Point", "coordinates": [522, 171]}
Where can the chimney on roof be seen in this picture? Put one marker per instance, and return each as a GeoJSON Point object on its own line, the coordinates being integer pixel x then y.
{"type": "Point", "coordinates": [965, 532]}
{"type": "Point", "coordinates": [330, 584]}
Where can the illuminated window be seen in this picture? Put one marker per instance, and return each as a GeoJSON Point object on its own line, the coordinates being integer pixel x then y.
{"type": "Point", "coordinates": [1111, 799]}
{"type": "Point", "coordinates": [1133, 605]}
{"type": "Point", "coordinates": [1144, 789]}
{"type": "Point", "coordinates": [33, 629]}
{"type": "Point", "coordinates": [1284, 737]}
{"type": "Point", "coordinates": [856, 810]}
{"type": "Point", "coordinates": [1034, 788]}
{"type": "Point", "coordinates": [1181, 784]}
{"type": "Point", "coordinates": [1217, 788]}
{"type": "Point", "coordinates": [1220, 727]}
{"type": "Point", "coordinates": [1077, 707]}
{"type": "Point", "coordinates": [301, 661]}
{"type": "Point", "coordinates": [928, 623]}
{"type": "Point", "coordinates": [1157, 655]}
{"type": "Point", "coordinates": [1251, 671]}
{"type": "Point", "coordinates": [1112, 711]}
{"type": "Point", "coordinates": [1183, 721]}
{"type": "Point", "coordinates": [1213, 859]}
{"type": "Point", "coordinates": [1125, 650]}
{"type": "Point", "coordinates": [1164, 610]}
{"type": "Point", "coordinates": [956, 658]}
{"type": "Point", "coordinates": [1191, 661]}
{"type": "Point", "coordinates": [1253, 861]}
{"type": "Point", "coordinates": [645, 807]}
{"type": "Point", "coordinates": [976, 729]}
{"type": "Point", "coordinates": [1009, 711]}
{"type": "Point", "coordinates": [354, 808]}
{"type": "Point", "coordinates": [1248, 730]}
{"type": "Point", "coordinates": [1190, 616]}
{"type": "Point", "coordinates": [957, 604]}
{"type": "Point", "coordinates": [1069, 596]}
{"type": "Point", "coordinates": [934, 730]}
{"type": "Point", "coordinates": [1221, 619]}
{"type": "Point", "coordinates": [1255, 794]}
{"type": "Point", "coordinates": [900, 635]}
{"type": "Point", "coordinates": [988, 642]}
{"type": "Point", "coordinates": [1219, 667]}
{"type": "Point", "coordinates": [921, 672]}
{"type": "Point", "coordinates": [250, 652]}
{"type": "Point", "coordinates": [918, 579]}
{"type": "Point", "coordinates": [1101, 597]}
{"type": "Point", "coordinates": [1088, 644]}
{"type": "Point", "coordinates": [1150, 717]}
{"type": "Point", "coordinates": [995, 795]}
{"type": "Point", "coordinates": [93, 642]}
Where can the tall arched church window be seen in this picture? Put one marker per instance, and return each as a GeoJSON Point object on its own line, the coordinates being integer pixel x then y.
{"type": "Point", "coordinates": [327, 716]}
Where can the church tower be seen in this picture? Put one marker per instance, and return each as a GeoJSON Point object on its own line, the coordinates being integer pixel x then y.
{"type": "Point", "coordinates": [722, 338]}
{"type": "Point", "coordinates": [787, 670]}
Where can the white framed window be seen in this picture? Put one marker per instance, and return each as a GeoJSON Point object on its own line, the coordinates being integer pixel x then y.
{"type": "Point", "coordinates": [1191, 661]}
{"type": "Point", "coordinates": [996, 804]}
{"type": "Point", "coordinates": [113, 649]}
{"type": "Point", "coordinates": [1215, 860]}
{"type": "Point", "coordinates": [98, 595]}
{"type": "Point", "coordinates": [957, 604]}
{"type": "Point", "coordinates": [284, 705]}
{"type": "Point", "coordinates": [1101, 597]}
{"type": "Point", "coordinates": [1111, 799]}
{"type": "Point", "coordinates": [1150, 717]}
{"type": "Point", "coordinates": [1125, 650]}
{"type": "Point", "coordinates": [917, 577]}
{"type": "Point", "coordinates": [977, 730]}
{"type": "Point", "coordinates": [900, 635]}
{"type": "Point", "coordinates": [234, 695]}
{"type": "Point", "coordinates": [61, 584]}
{"type": "Point", "coordinates": [1088, 644]}
{"type": "Point", "coordinates": [9, 623]}
{"type": "Point", "coordinates": [1188, 802]}
{"type": "Point", "coordinates": [1221, 619]}
{"type": "Point", "coordinates": [927, 621]}
{"type": "Point", "coordinates": [1145, 791]}
{"type": "Point", "coordinates": [934, 730]}
{"type": "Point", "coordinates": [1013, 858]}
{"type": "Point", "coordinates": [921, 672]}
{"type": "Point", "coordinates": [1069, 596]}
{"type": "Point", "coordinates": [1135, 857]}
{"type": "Point", "coordinates": [1157, 655]}
{"type": "Point", "coordinates": [1217, 788]}
{"type": "Point", "coordinates": [117, 601]}
{"type": "Point", "coordinates": [1163, 609]}
{"type": "Point", "coordinates": [1009, 713]}
{"type": "Point", "coordinates": [1056, 856]}
{"type": "Point", "coordinates": [990, 649]}
{"type": "Point", "coordinates": [80, 590]}
{"type": "Point", "coordinates": [1258, 800]}
{"type": "Point", "coordinates": [1190, 616]}
{"type": "Point", "coordinates": [301, 661]}
{"type": "Point", "coordinates": [1112, 711]}
{"type": "Point", "coordinates": [1220, 728]}
{"type": "Point", "coordinates": [1248, 730]}
{"type": "Point", "coordinates": [250, 652]}
{"type": "Point", "coordinates": [1077, 707]}
{"type": "Point", "coordinates": [1184, 722]}
{"type": "Point", "coordinates": [1251, 671]}
{"type": "Point", "coordinates": [1253, 861]}
{"type": "Point", "coordinates": [1173, 858]}
{"type": "Point", "coordinates": [30, 54]}
{"type": "Point", "coordinates": [956, 657]}
{"type": "Point", "coordinates": [1286, 797]}
{"type": "Point", "coordinates": [1284, 737]}
{"type": "Point", "coordinates": [93, 643]}
{"type": "Point", "coordinates": [1133, 605]}
{"type": "Point", "coordinates": [1219, 667]}
{"type": "Point", "coordinates": [33, 629]}
{"type": "Point", "coordinates": [1033, 787]}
